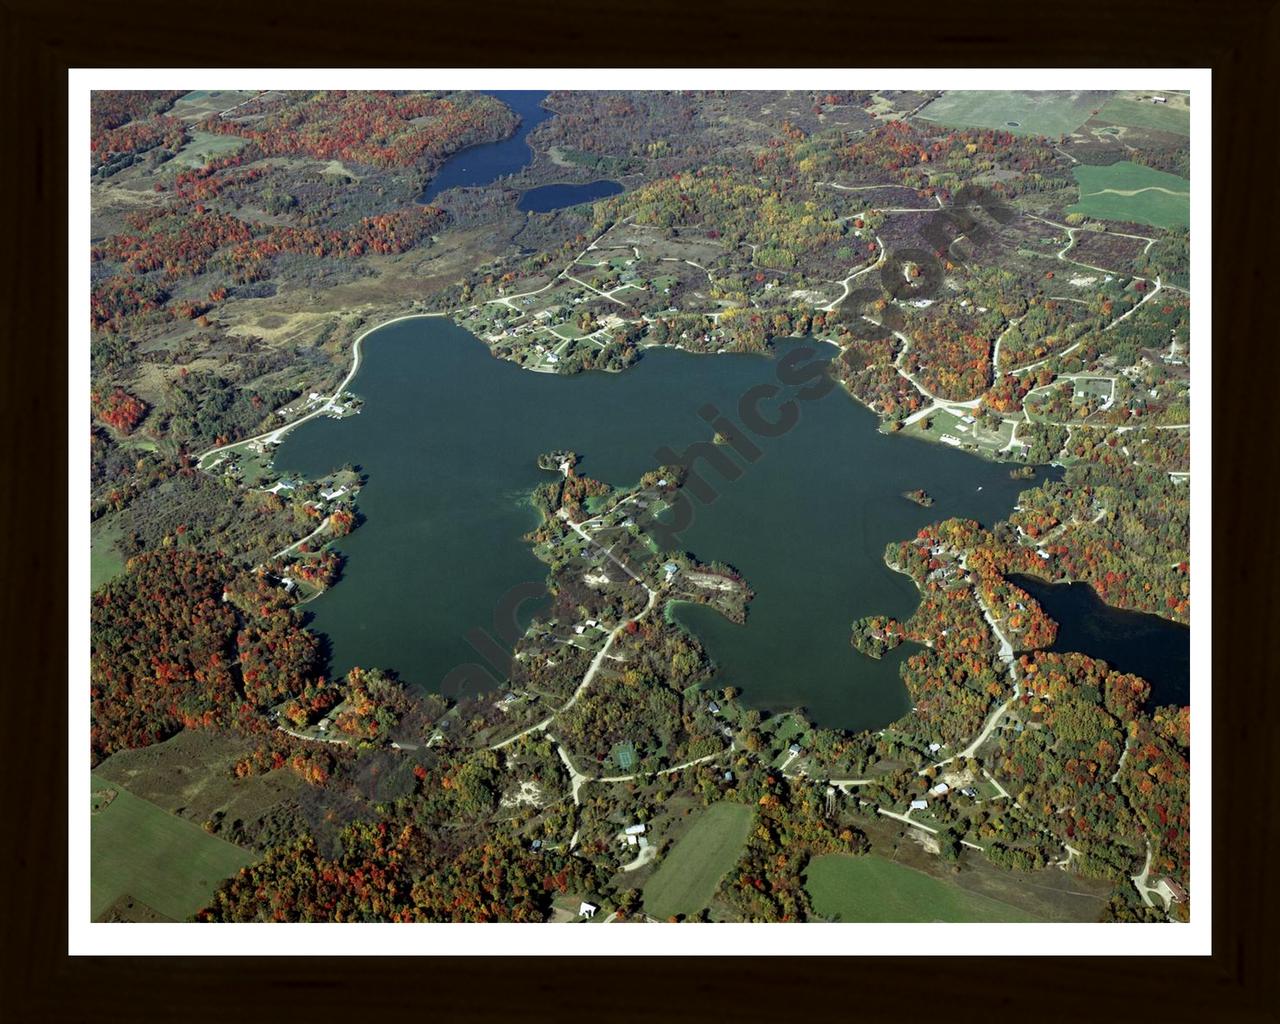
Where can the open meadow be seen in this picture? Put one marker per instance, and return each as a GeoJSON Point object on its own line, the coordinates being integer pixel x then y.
{"type": "Point", "coordinates": [1023, 113]}
{"type": "Point", "coordinates": [1173, 115]}
{"type": "Point", "coordinates": [690, 873]}
{"type": "Point", "coordinates": [870, 888]}
{"type": "Point", "coordinates": [1131, 192]}
{"type": "Point", "coordinates": [169, 865]}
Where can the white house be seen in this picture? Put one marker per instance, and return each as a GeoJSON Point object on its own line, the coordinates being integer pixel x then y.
{"type": "Point", "coordinates": [633, 830]}
{"type": "Point", "coordinates": [919, 805]}
{"type": "Point", "coordinates": [940, 789]}
{"type": "Point", "coordinates": [587, 910]}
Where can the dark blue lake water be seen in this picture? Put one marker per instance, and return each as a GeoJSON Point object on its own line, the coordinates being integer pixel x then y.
{"type": "Point", "coordinates": [484, 164]}
{"type": "Point", "coordinates": [450, 437]}
{"type": "Point", "coordinates": [546, 198]}
{"type": "Point", "coordinates": [1145, 645]}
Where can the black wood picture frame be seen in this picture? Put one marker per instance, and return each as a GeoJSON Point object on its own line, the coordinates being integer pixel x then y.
{"type": "Point", "coordinates": [1239, 40]}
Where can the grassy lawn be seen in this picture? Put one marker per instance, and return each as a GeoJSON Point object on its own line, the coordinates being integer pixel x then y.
{"type": "Point", "coordinates": [1138, 114]}
{"type": "Point", "coordinates": [201, 103]}
{"type": "Point", "coordinates": [105, 560]}
{"type": "Point", "coordinates": [1036, 113]}
{"type": "Point", "coordinates": [138, 850]}
{"type": "Point", "coordinates": [688, 877]}
{"type": "Point", "coordinates": [1131, 192]}
{"type": "Point", "coordinates": [204, 146]}
{"type": "Point", "coordinates": [872, 889]}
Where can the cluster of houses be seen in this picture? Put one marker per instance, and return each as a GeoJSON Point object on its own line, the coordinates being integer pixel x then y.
{"type": "Point", "coordinates": [634, 835]}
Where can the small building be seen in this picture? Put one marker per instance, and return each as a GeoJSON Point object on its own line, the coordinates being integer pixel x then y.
{"type": "Point", "coordinates": [941, 789]}
{"type": "Point", "coordinates": [1171, 891]}
{"type": "Point", "coordinates": [728, 776]}
{"type": "Point", "coordinates": [634, 830]}
{"type": "Point", "coordinates": [934, 747]}
{"type": "Point", "coordinates": [969, 791]}
{"type": "Point", "coordinates": [713, 707]}
{"type": "Point", "coordinates": [919, 805]}
{"type": "Point", "coordinates": [587, 910]}
{"type": "Point", "coordinates": [794, 748]}
{"type": "Point", "coordinates": [579, 630]}
{"type": "Point", "coordinates": [1043, 553]}
{"type": "Point", "coordinates": [324, 725]}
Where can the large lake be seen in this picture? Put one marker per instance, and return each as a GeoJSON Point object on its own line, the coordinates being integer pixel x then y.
{"type": "Point", "coordinates": [449, 436]}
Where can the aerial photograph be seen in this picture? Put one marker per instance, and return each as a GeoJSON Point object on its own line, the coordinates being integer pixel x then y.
{"type": "Point", "coordinates": [600, 506]}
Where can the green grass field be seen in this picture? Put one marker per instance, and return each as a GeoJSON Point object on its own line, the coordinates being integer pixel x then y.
{"type": "Point", "coordinates": [688, 877]}
{"type": "Point", "coordinates": [872, 889]}
{"type": "Point", "coordinates": [1137, 114]}
{"type": "Point", "coordinates": [1132, 192]}
{"type": "Point", "coordinates": [1036, 113]}
{"type": "Point", "coordinates": [105, 559]}
{"type": "Point", "coordinates": [204, 146]}
{"type": "Point", "coordinates": [139, 850]}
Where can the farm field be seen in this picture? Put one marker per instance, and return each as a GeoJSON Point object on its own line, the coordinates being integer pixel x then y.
{"type": "Point", "coordinates": [1135, 113]}
{"type": "Point", "coordinates": [872, 889]}
{"type": "Point", "coordinates": [687, 878]}
{"type": "Point", "coordinates": [1050, 114]}
{"type": "Point", "coordinates": [170, 865]}
{"type": "Point", "coordinates": [1131, 192]}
